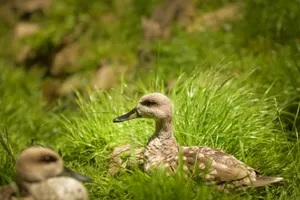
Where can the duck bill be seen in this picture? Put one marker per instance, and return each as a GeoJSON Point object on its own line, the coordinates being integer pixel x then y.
{"type": "Point", "coordinates": [130, 115]}
{"type": "Point", "coordinates": [68, 172]}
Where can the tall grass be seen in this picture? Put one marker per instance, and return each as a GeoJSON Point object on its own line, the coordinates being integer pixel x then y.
{"type": "Point", "coordinates": [241, 98]}
{"type": "Point", "coordinates": [209, 110]}
{"type": "Point", "coordinates": [24, 119]}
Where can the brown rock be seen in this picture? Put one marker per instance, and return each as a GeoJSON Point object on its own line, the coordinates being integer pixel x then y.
{"type": "Point", "coordinates": [152, 30]}
{"type": "Point", "coordinates": [6, 12]}
{"type": "Point", "coordinates": [105, 77]}
{"type": "Point", "coordinates": [64, 60]}
{"type": "Point", "coordinates": [24, 29]}
{"type": "Point", "coordinates": [55, 88]}
{"type": "Point", "coordinates": [216, 19]}
{"type": "Point", "coordinates": [158, 26]}
{"type": "Point", "coordinates": [187, 13]}
{"type": "Point", "coordinates": [50, 90]}
{"type": "Point", "coordinates": [107, 18]}
{"type": "Point", "coordinates": [23, 54]}
{"type": "Point", "coordinates": [29, 6]}
{"type": "Point", "coordinates": [69, 85]}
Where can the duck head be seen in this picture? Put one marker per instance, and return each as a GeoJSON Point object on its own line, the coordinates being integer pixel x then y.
{"type": "Point", "coordinates": [38, 164]}
{"type": "Point", "coordinates": [155, 105]}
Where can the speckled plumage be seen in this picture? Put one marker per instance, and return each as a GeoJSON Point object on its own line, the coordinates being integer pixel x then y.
{"type": "Point", "coordinates": [214, 165]}
{"type": "Point", "coordinates": [41, 175]}
{"type": "Point", "coordinates": [58, 188]}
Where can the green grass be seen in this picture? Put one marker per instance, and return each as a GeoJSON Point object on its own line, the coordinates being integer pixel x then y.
{"type": "Point", "coordinates": [209, 110]}
{"type": "Point", "coordinates": [236, 92]}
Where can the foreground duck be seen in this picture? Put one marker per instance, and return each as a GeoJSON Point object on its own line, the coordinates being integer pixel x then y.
{"type": "Point", "coordinates": [41, 175]}
{"type": "Point", "coordinates": [162, 150]}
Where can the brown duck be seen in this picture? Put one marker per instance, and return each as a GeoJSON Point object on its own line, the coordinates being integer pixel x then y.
{"type": "Point", "coordinates": [41, 175]}
{"type": "Point", "coordinates": [162, 149]}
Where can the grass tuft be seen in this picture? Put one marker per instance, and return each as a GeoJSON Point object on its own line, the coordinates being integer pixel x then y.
{"type": "Point", "coordinates": [209, 110]}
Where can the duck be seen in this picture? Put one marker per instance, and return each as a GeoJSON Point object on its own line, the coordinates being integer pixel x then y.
{"type": "Point", "coordinates": [41, 175]}
{"type": "Point", "coordinates": [162, 150]}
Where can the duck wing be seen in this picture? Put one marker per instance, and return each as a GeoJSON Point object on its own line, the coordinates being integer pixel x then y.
{"type": "Point", "coordinates": [215, 164]}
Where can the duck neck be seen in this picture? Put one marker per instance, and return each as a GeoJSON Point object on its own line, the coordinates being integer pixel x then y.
{"type": "Point", "coordinates": [164, 129]}
{"type": "Point", "coordinates": [162, 145]}
{"type": "Point", "coordinates": [23, 188]}
{"type": "Point", "coordinates": [163, 132]}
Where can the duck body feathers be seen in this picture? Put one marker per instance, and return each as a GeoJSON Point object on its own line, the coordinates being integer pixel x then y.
{"type": "Point", "coordinates": [58, 188]}
{"type": "Point", "coordinates": [217, 164]}
{"type": "Point", "coordinates": [214, 165]}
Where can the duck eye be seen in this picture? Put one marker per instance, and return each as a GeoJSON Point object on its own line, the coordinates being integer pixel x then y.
{"type": "Point", "coordinates": [48, 159]}
{"type": "Point", "coordinates": [149, 103]}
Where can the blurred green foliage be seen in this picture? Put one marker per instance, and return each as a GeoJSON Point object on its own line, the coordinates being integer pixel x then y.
{"type": "Point", "coordinates": [275, 20]}
{"type": "Point", "coordinates": [237, 88]}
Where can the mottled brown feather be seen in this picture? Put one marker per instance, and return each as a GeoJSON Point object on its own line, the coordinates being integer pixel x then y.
{"type": "Point", "coordinates": [224, 166]}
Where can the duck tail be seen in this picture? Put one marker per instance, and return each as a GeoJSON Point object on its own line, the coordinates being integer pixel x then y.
{"type": "Point", "coordinates": [265, 180]}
